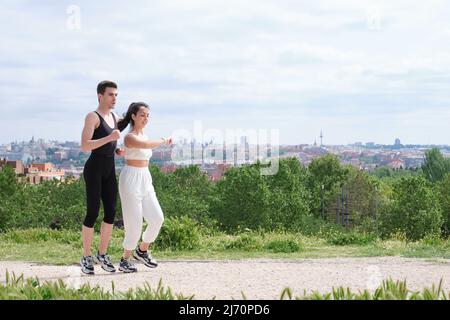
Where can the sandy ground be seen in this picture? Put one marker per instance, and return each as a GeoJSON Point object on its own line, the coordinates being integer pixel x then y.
{"type": "Point", "coordinates": [257, 278]}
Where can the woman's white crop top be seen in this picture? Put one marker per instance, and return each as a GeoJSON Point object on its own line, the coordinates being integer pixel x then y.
{"type": "Point", "coordinates": [138, 154]}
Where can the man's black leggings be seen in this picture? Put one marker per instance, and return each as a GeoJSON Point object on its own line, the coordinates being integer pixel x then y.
{"type": "Point", "coordinates": [100, 178]}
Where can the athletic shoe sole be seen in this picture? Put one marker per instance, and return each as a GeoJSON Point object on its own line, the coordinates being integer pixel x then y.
{"type": "Point", "coordinates": [97, 261]}
{"type": "Point", "coordinates": [127, 271]}
{"type": "Point", "coordinates": [144, 262]}
{"type": "Point", "coordinates": [108, 270]}
{"type": "Point", "coordinates": [87, 271]}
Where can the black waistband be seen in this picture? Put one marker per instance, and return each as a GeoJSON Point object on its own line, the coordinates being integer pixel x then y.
{"type": "Point", "coordinates": [100, 155]}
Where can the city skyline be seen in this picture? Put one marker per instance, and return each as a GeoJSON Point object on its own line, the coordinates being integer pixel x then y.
{"type": "Point", "coordinates": [358, 70]}
{"type": "Point", "coordinates": [36, 139]}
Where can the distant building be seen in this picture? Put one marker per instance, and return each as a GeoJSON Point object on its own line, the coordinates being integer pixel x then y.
{"type": "Point", "coordinates": [162, 155]}
{"type": "Point", "coordinates": [397, 144]}
{"type": "Point", "coordinates": [39, 172]}
{"type": "Point", "coordinates": [60, 155]}
{"type": "Point", "coordinates": [17, 165]}
{"type": "Point", "coordinates": [44, 167]}
{"type": "Point", "coordinates": [396, 164]}
{"type": "Point", "coordinates": [71, 144]}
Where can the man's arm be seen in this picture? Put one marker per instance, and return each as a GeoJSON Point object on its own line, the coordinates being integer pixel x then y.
{"type": "Point", "coordinates": [87, 144]}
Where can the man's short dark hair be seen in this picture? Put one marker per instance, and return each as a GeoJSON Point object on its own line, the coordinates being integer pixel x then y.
{"type": "Point", "coordinates": [105, 84]}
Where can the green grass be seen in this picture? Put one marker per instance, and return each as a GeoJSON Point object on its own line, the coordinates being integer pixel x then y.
{"type": "Point", "coordinates": [18, 288]}
{"type": "Point", "coordinates": [64, 247]}
{"type": "Point", "coordinates": [388, 290]}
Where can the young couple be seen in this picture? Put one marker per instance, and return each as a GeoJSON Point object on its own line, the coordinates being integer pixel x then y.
{"type": "Point", "coordinates": [100, 134]}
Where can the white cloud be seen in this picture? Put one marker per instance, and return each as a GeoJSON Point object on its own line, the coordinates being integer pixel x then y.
{"type": "Point", "coordinates": [315, 60]}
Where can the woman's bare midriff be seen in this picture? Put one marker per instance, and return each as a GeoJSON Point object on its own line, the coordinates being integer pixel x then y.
{"type": "Point", "coordinates": [137, 163]}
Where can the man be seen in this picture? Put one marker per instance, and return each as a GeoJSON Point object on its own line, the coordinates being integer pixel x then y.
{"type": "Point", "coordinates": [100, 135]}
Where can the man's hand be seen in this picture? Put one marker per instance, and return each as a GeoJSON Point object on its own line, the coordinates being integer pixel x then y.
{"type": "Point", "coordinates": [120, 152]}
{"type": "Point", "coordinates": [115, 135]}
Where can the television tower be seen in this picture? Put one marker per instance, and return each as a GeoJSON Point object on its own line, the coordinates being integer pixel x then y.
{"type": "Point", "coordinates": [321, 138]}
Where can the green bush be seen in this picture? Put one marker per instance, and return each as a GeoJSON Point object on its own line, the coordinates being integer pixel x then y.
{"type": "Point", "coordinates": [52, 204]}
{"type": "Point", "coordinates": [185, 192]}
{"type": "Point", "coordinates": [179, 233]}
{"type": "Point", "coordinates": [289, 198]}
{"type": "Point", "coordinates": [32, 236]}
{"type": "Point", "coordinates": [433, 240]}
{"type": "Point", "coordinates": [284, 245]}
{"type": "Point", "coordinates": [350, 237]}
{"type": "Point", "coordinates": [246, 242]}
{"type": "Point", "coordinates": [243, 199]}
{"type": "Point", "coordinates": [328, 172]}
{"type": "Point", "coordinates": [414, 209]}
{"type": "Point", "coordinates": [247, 199]}
{"type": "Point", "coordinates": [361, 191]}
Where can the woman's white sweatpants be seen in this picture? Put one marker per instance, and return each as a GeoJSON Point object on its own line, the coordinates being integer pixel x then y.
{"type": "Point", "coordinates": [138, 199]}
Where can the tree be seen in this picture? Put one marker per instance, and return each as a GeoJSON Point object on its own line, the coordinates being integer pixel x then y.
{"type": "Point", "coordinates": [9, 187]}
{"type": "Point", "coordinates": [289, 197]}
{"type": "Point", "coordinates": [382, 172]}
{"type": "Point", "coordinates": [444, 199]}
{"type": "Point", "coordinates": [242, 199]}
{"type": "Point", "coordinates": [362, 195]}
{"type": "Point", "coordinates": [435, 165]}
{"type": "Point", "coordinates": [8, 182]}
{"type": "Point", "coordinates": [185, 192]}
{"type": "Point", "coordinates": [328, 172]}
{"type": "Point", "coordinates": [414, 209]}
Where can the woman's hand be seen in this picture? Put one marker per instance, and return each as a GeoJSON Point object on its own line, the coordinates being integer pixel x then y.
{"type": "Point", "coordinates": [167, 141]}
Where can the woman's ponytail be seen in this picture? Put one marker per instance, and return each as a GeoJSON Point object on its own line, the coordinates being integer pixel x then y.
{"type": "Point", "coordinates": [132, 109]}
{"type": "Point", "coordinates": [123, 123]}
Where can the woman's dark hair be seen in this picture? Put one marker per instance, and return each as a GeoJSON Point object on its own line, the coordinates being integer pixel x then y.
{"type": "Point", "coordinates": [101, 87]}
{"type": "Point", "coordinates": [132, 109]}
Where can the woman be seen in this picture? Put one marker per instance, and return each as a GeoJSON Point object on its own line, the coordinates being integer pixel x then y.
{"type": "Point", "coordinates": [136, 190]}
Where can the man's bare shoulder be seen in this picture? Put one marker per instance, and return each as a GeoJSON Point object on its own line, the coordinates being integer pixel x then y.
{"type": "Point", "coordinates": [92, 119]}
{"type": "Point", "coordinates": [92, 116]}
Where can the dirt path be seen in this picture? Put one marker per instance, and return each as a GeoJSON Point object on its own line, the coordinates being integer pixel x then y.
{"type": "Point", "coordinates": [257, 278]}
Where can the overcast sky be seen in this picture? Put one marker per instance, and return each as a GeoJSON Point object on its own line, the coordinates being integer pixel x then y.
{"type": "Point", "coordinates": [359, 70]}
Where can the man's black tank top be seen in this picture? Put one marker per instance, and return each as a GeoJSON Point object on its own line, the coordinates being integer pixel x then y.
{"type": "Point", "coordinates": [103, 130]}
